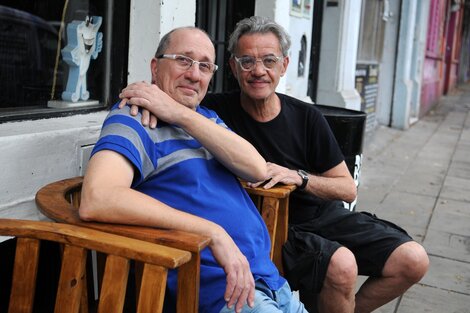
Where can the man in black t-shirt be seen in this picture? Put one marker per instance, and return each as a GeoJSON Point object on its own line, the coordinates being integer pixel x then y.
{"type": "Point", "coordinates": [328, 246]}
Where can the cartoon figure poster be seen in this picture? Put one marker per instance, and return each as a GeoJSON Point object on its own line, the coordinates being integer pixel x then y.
{"type": "Point", "coordinates": [84, 43]}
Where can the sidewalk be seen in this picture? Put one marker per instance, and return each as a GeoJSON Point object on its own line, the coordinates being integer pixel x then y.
{"type": "Point", "coordinates": [420, 179]}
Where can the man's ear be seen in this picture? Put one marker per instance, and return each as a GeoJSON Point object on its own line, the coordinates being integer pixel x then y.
{"type": "Point", "coordinates": [285, 63]}
{"type": "Point", "coordinates": [153, 69]}
{"type": "Point", "coordinates": [233, 66]}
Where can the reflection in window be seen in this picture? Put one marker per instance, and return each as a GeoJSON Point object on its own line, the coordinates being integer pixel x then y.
{"type": "Point", "coordinates": [32, 35]}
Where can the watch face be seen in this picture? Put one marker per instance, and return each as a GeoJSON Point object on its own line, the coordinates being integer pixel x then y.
{"type": "Point", "coordinates": [303, 174]}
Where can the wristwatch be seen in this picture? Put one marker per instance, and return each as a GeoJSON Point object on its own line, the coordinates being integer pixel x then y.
{"type": "Point", "coordinates": [304, 175]}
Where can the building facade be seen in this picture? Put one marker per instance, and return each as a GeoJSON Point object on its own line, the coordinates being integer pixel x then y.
{"type": "Point", "coordinates": [390, 59]}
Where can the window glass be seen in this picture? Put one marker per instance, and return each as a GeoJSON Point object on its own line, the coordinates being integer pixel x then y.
{"type": "Point", "coordinates": [371, 33]}
{"type": "Point", "coordinates": [33, 67]}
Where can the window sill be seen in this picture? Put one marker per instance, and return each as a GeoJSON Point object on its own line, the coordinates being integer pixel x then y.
{"type": "Point", "coordinates": [42, 113]}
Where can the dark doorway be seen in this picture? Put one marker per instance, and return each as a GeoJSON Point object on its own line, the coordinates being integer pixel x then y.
{"type": "Point", "coordinates": [218, 19]}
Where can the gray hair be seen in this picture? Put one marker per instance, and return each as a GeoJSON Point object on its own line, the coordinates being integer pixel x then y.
{"type": "Point", "coordinates": [259, 24]}
{"type": "Point", "coordinates": [165, 41]}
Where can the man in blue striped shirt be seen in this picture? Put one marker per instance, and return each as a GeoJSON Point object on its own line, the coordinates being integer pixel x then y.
{"type": "Point", "coordinates": [183, 175]}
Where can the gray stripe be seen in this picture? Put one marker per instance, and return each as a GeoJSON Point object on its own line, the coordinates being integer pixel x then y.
{"type": "Point", "coordinates": [174, 133]}
{"type": "Point", "coordinates": [157, 135]}
{"type": "Point", "coordinates": [130, 134]}
{"type": "Point", "coordinates": [169, 133]}
{"type": "Point", "coordinates": [222, 123]}
{"type": "Point", "coordinates": [125, 111]}
{"type": "Point", "coordinates": [180, 156]}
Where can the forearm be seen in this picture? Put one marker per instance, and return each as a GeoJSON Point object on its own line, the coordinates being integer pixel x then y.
{"type": "Point", "coordinates": [331, 188]}
{"type": "Point", "coordinates": [124, 205]}
{"type": "Point", "coordinates": [234, 152]}
{"type": "Point", "coordinates": [107, 197]}
{"type": "Point", "coordinates": [334, 184]}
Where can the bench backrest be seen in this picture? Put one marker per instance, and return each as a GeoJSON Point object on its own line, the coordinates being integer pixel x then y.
{"type": "Point", "coordinates": [76, 242]}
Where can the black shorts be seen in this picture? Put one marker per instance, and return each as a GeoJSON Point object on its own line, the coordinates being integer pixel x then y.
{"type": "Point", "coordinates": [309, 247]}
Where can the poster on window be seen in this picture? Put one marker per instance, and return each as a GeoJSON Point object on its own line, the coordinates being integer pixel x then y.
{"type": "Point", "coordinates": [307, 7]}
{"type": "Point", "coordinates": [296, 7]}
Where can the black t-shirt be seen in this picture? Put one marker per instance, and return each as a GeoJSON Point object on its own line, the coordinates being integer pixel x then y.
{"type": "Point", "coordinates": [298, 138]}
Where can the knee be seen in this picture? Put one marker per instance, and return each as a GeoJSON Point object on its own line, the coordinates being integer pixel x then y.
{"type": "Point", "coordinates": [412, 260]}
{"type": "Point", "coordinates": [342, 269]}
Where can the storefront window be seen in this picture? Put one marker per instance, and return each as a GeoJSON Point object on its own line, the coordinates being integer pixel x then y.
{"type": "Point", "coordinates": [34, 70]}
{"type": "Point", "coordinates": [371, 33]}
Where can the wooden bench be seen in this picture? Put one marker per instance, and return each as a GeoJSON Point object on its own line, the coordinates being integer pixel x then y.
{"type": "Point", "coordinates": [77, 241]}
{"type": "Point", "coordinates": [60, 201]}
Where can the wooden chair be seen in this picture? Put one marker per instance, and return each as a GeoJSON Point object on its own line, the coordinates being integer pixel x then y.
{"type": "Point", "coordinates": [77, 241]}
{"type": "Point", "coordinates": [60, 201]}
{"type": "Point", "coordinates": [273, 205]}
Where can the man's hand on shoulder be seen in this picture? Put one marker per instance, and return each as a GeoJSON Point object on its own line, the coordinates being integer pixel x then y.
{"type": "Point", "coordinates": [154, 102]}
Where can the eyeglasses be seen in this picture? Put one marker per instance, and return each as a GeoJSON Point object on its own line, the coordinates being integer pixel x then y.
{"type": "Point", "coordinates": [186, 62]}
{"type": "Point", "coordinates": [248, 63]}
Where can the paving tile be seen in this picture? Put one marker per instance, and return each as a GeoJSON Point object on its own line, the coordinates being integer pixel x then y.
{"type": "Point", "coordinates": [460, 169]}
{"type": "Point", "coordinates": [462, 153]}
{"type": "Point", "coordinates": [425, 299]}
{"type": "Point", "coordinates": [435, 153]}
{"type": "Point", "coordinates": [421, 184]}
{"type": "Point", "coordinates": [457, 182]}
{"type": "Point", "coordinates": [428, 166]}
{"type": "Point", "coordinates": [446, 244]}
{"type": "Point", "coordinates": [417, 233]}
{"type": "Point", "coordinates": [369, 199]}
{"type": "Point", "coordinates": [451, 216]}
{"type": "Point", "coordinates": [407, 209]}
{"type": "Point", "coordinates": [377, 179]}
{"type": "Point", "coordinates": [448, 274]}
{"type": "Point", "coordinates": [456, 193]}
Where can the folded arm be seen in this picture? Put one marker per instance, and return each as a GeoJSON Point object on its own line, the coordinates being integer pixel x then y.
{"type": "Point", "coordinates": [234, 152]}
{"type": "Point", "coordinates": [334, 184]}
{"type": "Point", "coordinates": [107, 197]}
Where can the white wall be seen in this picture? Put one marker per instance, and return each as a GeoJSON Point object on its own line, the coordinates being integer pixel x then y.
{"type": "Point", "coordinates": [338, 54]}
{"type": "Point", "coordinates": [35, 153]}
{"type": "Point", "coordinates": [387, 64]}
{"type": "Point", "coordinates": [296, 86]}
{"type": "Point", "coordinates": [149, 21]}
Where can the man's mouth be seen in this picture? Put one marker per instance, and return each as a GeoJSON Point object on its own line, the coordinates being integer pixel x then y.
{"type": "Point", "coordinates": [189, 89]}
{"type": "Point", "coordinates": [257, 82]}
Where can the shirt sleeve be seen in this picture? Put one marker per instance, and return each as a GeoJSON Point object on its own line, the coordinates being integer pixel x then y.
{"type": "Point", "coordinates": [124, 134]}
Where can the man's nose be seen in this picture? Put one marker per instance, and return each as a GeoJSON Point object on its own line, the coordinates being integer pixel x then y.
{"type": "Point", "coordinates": [194, 73]}
{"type": "Point", "coordinates": [259, 68]}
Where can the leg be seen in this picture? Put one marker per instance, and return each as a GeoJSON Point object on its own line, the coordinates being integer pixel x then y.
{"type": "Point", "coordinates": [337, 293]}
{"type": "Point", "coordinates": [381, 249]}
{"type": "Point", "coordinates": [406, 266]}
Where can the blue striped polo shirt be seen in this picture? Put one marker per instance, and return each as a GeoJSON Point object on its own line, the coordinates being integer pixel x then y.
{"type": "Point", "coordinates": [176, 169]}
